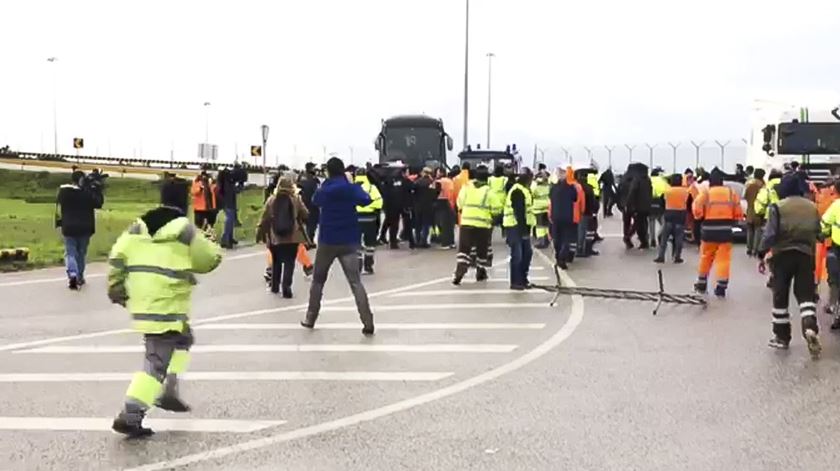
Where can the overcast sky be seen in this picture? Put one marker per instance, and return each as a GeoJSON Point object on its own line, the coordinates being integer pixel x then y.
{"type": "Point", "coordinates": [132, 77]}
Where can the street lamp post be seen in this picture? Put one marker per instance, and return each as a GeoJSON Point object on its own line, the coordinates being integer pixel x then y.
{"type": "Point", "coordinates": [466, 73]}
{"type": "Point", "coordinates": [207, 122]}
{"type": "Point", "coordinates": [53, 60]}
{"type": "Point", "coordinates": [490, 57]}
{"type": "Point", "coordinates": [264, 129]}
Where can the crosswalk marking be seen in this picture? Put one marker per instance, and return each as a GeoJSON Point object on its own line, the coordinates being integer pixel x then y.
{"type": "Point", "coordinates": [438, 307]}
{"type": "Point", "coordinates": [381, 326]}
{"type": "Point", "coordinates": [468, 292]}
{"type": "Point", "coordinates": [363, 348]}
{"type": "Point", "coordinates": [232, 376]}
{"type": "Point", "coordinates": [103, 424]}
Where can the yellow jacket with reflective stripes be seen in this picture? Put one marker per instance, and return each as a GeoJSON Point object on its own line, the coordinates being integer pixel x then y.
{"type": "Point", "coordinates": [766, 197]}
{"type": "Point", "coordinates": [659, 185]}
{"type": "Point", "coordinates": [478, 205]}
{"type": "Point", "coordinates": [831, 222]}
{"type": "Point", "coordinates": [497, 186]}
{"type": "Point", "coordinates": [509, 219]}
{"type": "Point", "coordinates": [541, 192]}
{"type": "Point", "coordinates": [592, 180]}
{"type": "Point", "coordinates": [153, 275]}
{"type": "Point", "coordinates": [372, 191]}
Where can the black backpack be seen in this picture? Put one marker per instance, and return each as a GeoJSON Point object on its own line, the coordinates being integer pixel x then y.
{"type": "Point", "coordinates": [283, 216]}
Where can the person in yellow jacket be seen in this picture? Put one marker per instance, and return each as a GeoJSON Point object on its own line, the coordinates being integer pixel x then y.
{"type": "Point", "coordinates": [153, 268]}
{"type": "Point", "coordinates": [657, 207]}
{"type": "Point", "coordinates": [368, 220]}
{"type": "Point", "coordinates": [518, 222]}
{"type": "Point", "coordinates": [767, 195]}
{"type": "Point", "coordinates": [540, 190]}
{"type": "Point", "coordinates": [478, 207]}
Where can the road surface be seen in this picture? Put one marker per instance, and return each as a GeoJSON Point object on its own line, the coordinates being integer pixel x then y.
{"type": "Point", "coordinates": [470, 377]}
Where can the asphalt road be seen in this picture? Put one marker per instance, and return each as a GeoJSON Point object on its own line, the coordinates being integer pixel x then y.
{"type": "Point", "coordinates": [470, 377]}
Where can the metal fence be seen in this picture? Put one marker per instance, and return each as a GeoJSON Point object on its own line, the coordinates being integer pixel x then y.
{"type": "Point", "coordinates": [673, 156]}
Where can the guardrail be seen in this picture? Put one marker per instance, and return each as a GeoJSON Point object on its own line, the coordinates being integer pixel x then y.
{"type": "Point", "coordinates": [69, 161]}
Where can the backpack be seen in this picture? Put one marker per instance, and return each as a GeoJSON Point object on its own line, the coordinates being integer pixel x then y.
{"type": "Point", "coordinates": [283, 216]}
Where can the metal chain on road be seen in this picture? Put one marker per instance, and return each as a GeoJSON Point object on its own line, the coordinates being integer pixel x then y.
{"type": "Point", "coordinates": [658, 297]}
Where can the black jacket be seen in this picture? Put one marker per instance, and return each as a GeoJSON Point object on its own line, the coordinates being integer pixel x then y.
{"type": "Point", "coordinates": [397, 194]}
{"type": "Point", "coordinates": [227, 190]}
{"type": "Point", "coordinates": [425, 194]}
{"type": "Point", "coordinates": [563, 197]}
{"type": "Point", "coordinates": [517, 202]}
{"type": "Point", "coordinates": [635, 191]}
{"type": "Point", "coordinates": [607, 181]}
{"type": "Point", "coordinates": [77, 210]}
{"type": "Point", "coordinates": [308, 185]}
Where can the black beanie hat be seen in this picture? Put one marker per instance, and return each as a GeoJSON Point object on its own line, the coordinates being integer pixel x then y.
{"type": "Point", "coordinates": [174, 193]}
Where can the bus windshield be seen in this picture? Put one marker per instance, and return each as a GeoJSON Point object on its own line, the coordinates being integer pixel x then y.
{"type": "Point", "coordinates": [414, 146]}
{"type": "Point", "coordinates": [809, 138]}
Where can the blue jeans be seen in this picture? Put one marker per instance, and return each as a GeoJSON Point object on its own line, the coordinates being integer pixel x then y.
{"type": "Point", "coordinates": [520, 255]}
{"type": "Point", "coordinates": [678, 232]}
{"type": "Point", "coordinates": [230, 221]}
{"type": "Point", "coordinates": [421, 234]}
{"type": "Point", "coordinates": [75, 251]}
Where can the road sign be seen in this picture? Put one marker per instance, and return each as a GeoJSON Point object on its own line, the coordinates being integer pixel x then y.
{"type": "Point", "coordinates": [78, 143]}
{"type": "Point", "coordinates": [256, 151]}
{"type": "Point", "coordinates": [208, 152]}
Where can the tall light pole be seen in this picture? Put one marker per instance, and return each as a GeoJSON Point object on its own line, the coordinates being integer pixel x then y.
{"type": "Point", "coordinates": [206, 122]}
{"type": "Point", "coordinates": [490, 57]}
{"type": "Point", "coordinates": [53, 60]}
{"type": "Point", "coordinates": [264, 129]}
{"type": "Point", "coordinates": [466, 74]}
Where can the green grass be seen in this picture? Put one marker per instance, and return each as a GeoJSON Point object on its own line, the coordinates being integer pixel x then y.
{"type": "Point", "coordinates": [27, 206]}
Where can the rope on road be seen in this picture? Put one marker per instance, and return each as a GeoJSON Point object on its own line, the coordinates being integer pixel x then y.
{"type": "Point", "coordinates": [658, 297]}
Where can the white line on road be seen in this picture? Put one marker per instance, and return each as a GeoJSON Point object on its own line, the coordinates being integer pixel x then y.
{"type": "Point", "coordinates": [507, 280]}
{"type": "Point", "coordinates": [232, 376]}
{"type": "Point", "coordinates": [45, 280]}
{"type": "Point", "coordinates": [317, 347]}
{"type": "Point", "coordinates": [534, 268]}
{"type": "Point", "coordinates": [439, 307]}
{"type": "Point", "coordinates": [468, 292]}
{"type": "Point", "coordinates": [540, 350]}
{"type": "Point", "coordinates": [95, 424]}
{"type": "Point", "coordinates": [380, 326]}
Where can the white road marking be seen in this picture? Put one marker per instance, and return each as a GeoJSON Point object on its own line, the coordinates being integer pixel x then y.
{"type": "Point", "coordinates": [317, 347]}
{"type": "Point", "coordinates": [380, 326]}
{"type": "Point", "coordinates": [438, 307]}
{"type": "Point", "coordinates": [558, 338]}
{"type": "Point", "coordinates": [45, 280]}
{"type": "Point", "coordinates": [232, 376]}
{"type": "Point", "coordinates": [468, 292]}
{"type": "Point", "coordinates": [95, 424]}
{"type": "Point", "coordinates": [507, 280]}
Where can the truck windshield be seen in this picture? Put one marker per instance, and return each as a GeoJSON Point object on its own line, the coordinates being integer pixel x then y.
{"type": "Point", "coordinates": [809, 138]}
{"type": "Point", "coordinates": [414, 146]}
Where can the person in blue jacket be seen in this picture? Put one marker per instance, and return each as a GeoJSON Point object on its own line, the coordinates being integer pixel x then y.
{"type": "Point", "coordinates": [339, 238]}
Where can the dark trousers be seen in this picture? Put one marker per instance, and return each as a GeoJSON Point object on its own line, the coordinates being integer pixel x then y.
{"type": "Point", "coordinates": [201, 218]}
{"type": "Point", "coordinates": [445, 221]}
{"type": "Point", "coordinates": [564, 234]}
{"type": "Point", "coordinates": [797, 268]}
{"type": "Point", "coordinates": [312, 223]}
{"type": "Point", "coordinates": [469, 239]}
{"type": "Point", "coordinates": [391, 226]}
{"type": "Point", "coordinates": [608, 198]}
{"type": "Point", "coordinates": [348, 258]}
{"type": "Point", "coordinates": [635, 223]}
{"type": "Point", "coordinates": [369, 229]}
{"type": "Point", "coordinates": [423, 220]}
{"type": "Point", "coordinates": [520, 255]}
{"type": "Point", "coordinates": [408, 223]}
{"type": "Point", "coordinates": [754, 233]}
{"type": "Point", "coordinates": [669, 230]}
{"type": "Point", "coordinates": [282, 266]}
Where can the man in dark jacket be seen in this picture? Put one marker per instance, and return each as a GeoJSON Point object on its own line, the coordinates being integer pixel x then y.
{"type": "Point", "coordinates": [76, 202]}
{"type": "Point", "coordinates": [635, 198]}
{"type": "Point", "coordinates": [588, 221]}
{"type": "Point", "coordinates": [607, 182]}
{"type": "Point", "coordinates": [425, 194]}
{"type": "Point", "coordinates": [308, 186]}
{"type": "Point", "coordinates": [563, 196]}
{"type": "Point", "coordinates": [397, 196]}
{"type": "Point", "coordinates": [339, 238]}
{"type": "Point", "coordinates": [227, 201]}
{"type": "Point", "coordinates": [518, 221]}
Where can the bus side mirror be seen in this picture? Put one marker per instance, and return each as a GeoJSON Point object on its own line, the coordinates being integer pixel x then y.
{"type": "Point", "coordinates": [766, 148]}
{"type": "Point", "coordinates": [449, 143]}
{"type": "Point", "coordinates": [377, 144]}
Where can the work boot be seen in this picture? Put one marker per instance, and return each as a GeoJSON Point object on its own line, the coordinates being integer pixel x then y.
{"type": "Point", "coordinates": [778, 343]}
{"type": "Point", "coordinates": [515, 287]}
{"type": "Point", "coordinates": [700, 287]}
{"type": "Point", "coordinates": [367, 331]}
{"type": "Point", "coordinates": [481, 274]}
{"type": "Point", "coordinates": [720, 292]}
{"type": "Point", "coordinates": [658, 260]}
{"type": "Point", "coordinates": [813, 341]}
{"type": "Point", "coordinates": [130, 424]}
{"type": "Point", "coordinates": [836, 324]}
{"type": "Point", "coordinates": [628, 243]}
{"type": "Point", "coordinates": [679, 260]}
{"type": "Point", "coordinates": [309, 270]}
{"type": "Point", "coordinates": [172, 403]}
{"type": "Point", "coordinates": [73, 283]}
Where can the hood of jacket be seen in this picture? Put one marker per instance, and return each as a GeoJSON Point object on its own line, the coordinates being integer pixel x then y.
{"type": "Point", "coordinates": [162, 224]}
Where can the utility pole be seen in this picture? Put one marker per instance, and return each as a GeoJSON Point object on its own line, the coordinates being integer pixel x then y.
{"type": "Point", "coordinates": [490, 57]}
{"type": "Point", "coordinates": [674, 146]}
{"type": "Point", "coordinates": [264, 130]}
{"type": "Point", "coordinates": [722, 146]}
{"type": "Point", "coordinates": [697, 146]}
{"type": "Point", "coordinates": [630, 149]}
{"type": "Point", "coordinates": [53, 60]}
{"type": "Point", "coordinates": [650, 153]}
{"type": "Point", "coordinates": [466, 74]}
{"type": "Point", "coordinates": [609, 154]}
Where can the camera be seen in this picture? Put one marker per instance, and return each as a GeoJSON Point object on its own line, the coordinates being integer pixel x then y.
{"type": "Point", "coordinates": [94, 181]}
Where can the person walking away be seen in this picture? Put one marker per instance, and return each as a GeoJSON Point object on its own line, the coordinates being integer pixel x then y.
{"type": "Point", "coordinates": [754, 221]}
{"type": "Point", "coordinates": [444, 212]}
{"type": "Point", "coordinates": [767, 196]}
{"type": "Point", "coordinates": [540, 190]}
{"type": "Point", "coordinates": [227, 192]}
{"type": "Point", "coordinates": [791, 234]}
{"type": "Point", "coordinates": [518, 221]}
{"type": "Point", "coordinates": [831, 227]}
{"type": "Point", "coordinates": [657, 208]}
{"type": "Point", "coordinates": [368, 220]}
{"type": "Point", "coordinates": [478, 207]}
{"type": "Point", "coordinates": [563, 200]}
{"type": "Point", "coordinates": [395, 197]}
{"type": "Point", "coordinates": [425, 194]}
{"type": "Point", "coordinates": [580, 205]}
{"type": "Point", "coordinates": [308, 186]}
{"type": "Point", "coordinates": [586, 226]}
{"type": "Point", "coordinates": [718, 209]}
{"type": "Point", "coordinates": [338, 238]}
{"type": "Point", "coordinates": [76, 205]}
{"type": "Point", "coordinates": [153, 267]}
{"type": "Point", "coordinates": [281, 228]}
{"type": "Point", "coordinates": [674, 219]}
{"type": "Point", "coordinates": [624, 204]}
{"type": "Point", "coordinates": [592, 179]}
{"type": "Point", "coordinates": [824, 198]}
{"type": "Point", "coordinates": [608, 189]}
{"type": "Point", "coordinates": [641, 200]}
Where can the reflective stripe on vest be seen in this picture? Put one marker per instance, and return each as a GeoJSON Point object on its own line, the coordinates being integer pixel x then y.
{"type": "Point", "coordinates": [167, 272]}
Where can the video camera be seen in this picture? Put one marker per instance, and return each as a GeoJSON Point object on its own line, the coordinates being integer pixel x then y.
{"type": "Point", "coordinates": [94, 181]}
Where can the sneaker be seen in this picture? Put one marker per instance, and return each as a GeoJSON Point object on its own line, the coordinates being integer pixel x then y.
{"type": "Point", "coordinates": [481, 275]}
{"type": "Point", "coordinates": [457, 280]}
{"type": "Point", "coordinates": [307, 325]}
{"type": "Point", "coordinates": [287, 294]}
{"type": "Point", "coordinates": [308, 271]}
{"type": "Point", "coordinates": [73, 283]}
{"type": "Point", "coordinates": [563, 265]}
{"type": "Point", "coordinates": [130, 430]}
{"type": "Point", "coordinates": [658, 260]}
{"type": "Point", "coordinates": [813, 340]}
{"type": "Point", "coordinates": [81, 282]}
{"type": "Point", "coordinates": [172, 404]}
{"type": "Point", "coordinates": [720, 292]}
{"type": "Point", "coordinates": [518, 287]}
{"type": "Point", "coordinates": [678, 261]}
{"type": "Point", "coordinates": [778, 343]}
{"type": "Point", "coordinates": [628, 243]}
{"type": "Point", "coordinates": [367, 331]}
